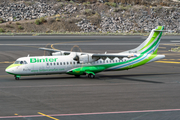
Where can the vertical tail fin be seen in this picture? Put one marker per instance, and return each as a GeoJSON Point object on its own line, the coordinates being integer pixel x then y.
{"type": "Point", "coordinates": [151, 44]}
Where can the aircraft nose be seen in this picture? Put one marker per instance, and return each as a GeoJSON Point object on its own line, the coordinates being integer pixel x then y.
{"type": "Point", "coordinates": [9, 69]}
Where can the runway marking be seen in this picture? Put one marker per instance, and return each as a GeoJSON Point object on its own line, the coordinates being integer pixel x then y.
{"type": "Point", "coordinates": [168, 62]}
{"type": "Point", "coordinates": [48, 116]}
{"type": "Point", "coordinates": [95, 113]}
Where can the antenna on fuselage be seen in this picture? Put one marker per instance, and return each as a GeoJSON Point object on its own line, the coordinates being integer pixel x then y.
{"type": "Point", "coordinates": [28, 55]}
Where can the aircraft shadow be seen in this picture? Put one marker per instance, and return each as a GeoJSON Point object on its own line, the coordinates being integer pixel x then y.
{"type": "Point", "coordinates": [104, 77]}
{"type": "Point", "coordinates": [127, 77]}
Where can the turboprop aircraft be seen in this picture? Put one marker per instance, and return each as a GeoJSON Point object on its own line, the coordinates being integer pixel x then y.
{"type": "Point", "coordinates": [81, 63]}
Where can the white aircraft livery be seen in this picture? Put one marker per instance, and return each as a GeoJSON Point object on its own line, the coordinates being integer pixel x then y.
{"type": "Point", "coordinates": [80, 63]}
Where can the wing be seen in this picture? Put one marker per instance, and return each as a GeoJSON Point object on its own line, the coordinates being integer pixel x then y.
{"type": "Point", "coordinates": [112, 56]}
{"type": "Point", "coordinates": [56, 51]}
{"type": "Point", "coordinates": [50, 50]}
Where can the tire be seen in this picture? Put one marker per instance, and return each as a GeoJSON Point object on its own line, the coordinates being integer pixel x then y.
{"type": "Point", "coordinates": [91, 76]}
{"type": "Point", "coordinates": [16, 78]}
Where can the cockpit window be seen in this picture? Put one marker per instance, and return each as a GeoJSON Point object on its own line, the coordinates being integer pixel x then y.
{"type": "Point", "coordinates": [20, 62]}
{"type": "Point", "coordinates": [17, 62]}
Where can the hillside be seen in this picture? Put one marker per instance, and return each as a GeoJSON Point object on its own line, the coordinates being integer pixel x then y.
{"type": "Point", "coordinates": [115, 16]}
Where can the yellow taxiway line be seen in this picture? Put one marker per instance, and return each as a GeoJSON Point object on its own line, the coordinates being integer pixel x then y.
{"type": "Point", "coordinates": [7, 62]}
{"type": "Point", "coordinates": [48, 116]}
{"type": "Point", "coordinates": [168, 62]}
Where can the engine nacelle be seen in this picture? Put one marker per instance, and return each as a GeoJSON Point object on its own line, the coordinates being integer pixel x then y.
{"type": "Point", "coordinates": [85, 58]}
{"type": "Point", "coordinates": [57, 53]}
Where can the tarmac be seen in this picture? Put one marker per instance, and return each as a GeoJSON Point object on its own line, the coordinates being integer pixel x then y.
{"type": "Point", "coordinates": [147, 92]}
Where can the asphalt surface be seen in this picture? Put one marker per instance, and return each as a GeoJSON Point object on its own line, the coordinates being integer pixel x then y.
{"type": "Point", "coordinates": [144, 93]}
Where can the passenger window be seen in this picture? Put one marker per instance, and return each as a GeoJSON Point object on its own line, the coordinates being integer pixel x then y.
{"type": "Point", "coordinates": [74, 62]}
{"type": "Point", "coordinates": [54, 63]}
{"type": "Point", "coordinates": [116, 60]}
{"type": "Point", "coordinates": [60, 63]}
{"type": "Point", "coordinates": [47, 63]}
{"type": "Point", "coordinates": [106, 61]}
{"type": "Point", "coordinates": [71, 63]}
{"type": "Point", "coordinates": [64, 63]}
{"type": "Point", "coordinates": [50, 63]}
{"type": "Point", "coordinates": [57, 63]}
{"type": "Point", "coordinates": [67, 63]}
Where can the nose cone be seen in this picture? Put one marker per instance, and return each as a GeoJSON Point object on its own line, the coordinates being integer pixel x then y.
{"type": "Point", "coordinates": [10, 69]}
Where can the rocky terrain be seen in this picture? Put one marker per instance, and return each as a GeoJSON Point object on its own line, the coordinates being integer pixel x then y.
{"type": "Point", "coordinates": [101, 16]}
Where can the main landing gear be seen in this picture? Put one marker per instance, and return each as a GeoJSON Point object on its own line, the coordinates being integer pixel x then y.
{"type": "Point", "coordinates": [17, 77]}
{"type": "Point", "coordinates": [90, 75]}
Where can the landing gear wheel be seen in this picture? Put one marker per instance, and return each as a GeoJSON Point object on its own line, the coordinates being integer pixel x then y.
{"type": "Point", "coordinates": [91, 76]}
{"type": "Point", "coordinates": [77, 76]}
{"type": "Point", "coordinates": [16, 78]}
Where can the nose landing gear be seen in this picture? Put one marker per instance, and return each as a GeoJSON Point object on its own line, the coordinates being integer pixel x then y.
{"type": "Point", "coordinates": [17, 77]}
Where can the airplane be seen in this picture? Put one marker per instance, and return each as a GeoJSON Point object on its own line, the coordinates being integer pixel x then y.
{"type": "Point", "coordinates": [81, 63]}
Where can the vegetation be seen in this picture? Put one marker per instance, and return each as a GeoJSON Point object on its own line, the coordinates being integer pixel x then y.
{"type": "Point", "coordinates": [37, 21]}
{"type": "Point", "coordinates": [17, 23]}
{"type": "Point", "coordinates": [58, 19]}
{"type": "Point", "coordinates": [124, 7]}
{"type": "Point", "coordinates": [71, 1]}
{"type": "Point", "coordinates": [1, 20]}
{"type": "Point", "coordinates": [86, 3]}
{"type": "Point", "coordinates": [40, 21]}
{"type": "Point", "coordinates": [88, 12]}
{"type": "Point", "coordinates": [20, 27]}
{"type": "Point", "coordinates": [2, 30]}
{"type": "Point", "coordinates": [111, 4]}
